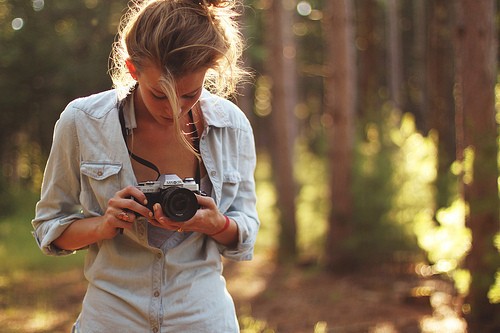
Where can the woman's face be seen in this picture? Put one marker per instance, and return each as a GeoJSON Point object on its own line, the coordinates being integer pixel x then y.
{"type": "Point", "coordinates": [189, 88]}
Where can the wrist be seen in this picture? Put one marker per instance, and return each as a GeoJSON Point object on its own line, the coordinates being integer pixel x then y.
{"type": "Point", "coordinates": [227, 223]}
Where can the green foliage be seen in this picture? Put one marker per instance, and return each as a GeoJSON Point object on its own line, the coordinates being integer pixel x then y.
{"type": "Point", "coordinates": [18, 248]}
{"type": "Point", "coordinates": [249, 324]}
{"type": "Point", "coordinates": [393, 188]}
{"type": "Point", "coordinates": [393, 183]}
{"type": "Point", "coordinates": [266, 205]}
{"type": "Point", "coordinates": [494, 293]}
{"type": "Point", "coordinates": [312, 201]}
{"type": "Point", "coordinates": [51, 52]}
{"type": "Point", "coordinates": [446, 240]}
{"type": "Point", "coordinates": [6, 207]}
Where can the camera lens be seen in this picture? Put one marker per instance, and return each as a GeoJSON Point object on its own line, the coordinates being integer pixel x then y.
{"type": "Point", "coordinates": [179, 204]}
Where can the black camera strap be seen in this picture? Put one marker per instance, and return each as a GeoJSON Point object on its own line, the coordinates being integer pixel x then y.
{"type": "Point", "coordinates": [151, 165]}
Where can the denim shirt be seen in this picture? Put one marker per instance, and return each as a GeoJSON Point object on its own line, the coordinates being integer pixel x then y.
{"type": "Point", "coordinates": [134, 286]}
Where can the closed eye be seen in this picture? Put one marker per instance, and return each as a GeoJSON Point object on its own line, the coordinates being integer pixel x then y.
{"type": "Point", "coordinates": [159, 97]}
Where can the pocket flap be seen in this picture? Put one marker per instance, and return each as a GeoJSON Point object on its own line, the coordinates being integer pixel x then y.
{"type": "Point", "coordinates": [100, 171]}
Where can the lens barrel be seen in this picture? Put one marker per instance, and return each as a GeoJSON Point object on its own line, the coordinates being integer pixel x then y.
{"type": "Point", "coordinates": [179, 204]}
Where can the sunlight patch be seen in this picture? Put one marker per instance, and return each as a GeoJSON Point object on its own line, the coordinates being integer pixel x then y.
{"type": "Point", "coordinates": [43, 320]}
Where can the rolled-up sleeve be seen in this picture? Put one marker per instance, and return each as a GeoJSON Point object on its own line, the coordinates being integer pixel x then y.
{"type": "Point", "coordinates": [59, 202]}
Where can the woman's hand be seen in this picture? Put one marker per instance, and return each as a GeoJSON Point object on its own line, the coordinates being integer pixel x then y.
{"type": "Point", "coordinates": [121, 211]}
{"type": "Point", "coordinates": [207, 220]}
{"type": "Point", "coordinates": [120, 214]}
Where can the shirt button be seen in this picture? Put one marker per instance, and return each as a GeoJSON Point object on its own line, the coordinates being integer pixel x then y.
{"type": "Point", "coordinates": [213, 173]}
{"type": "Point", "coordinates": [156, 294]}
{"type": "Point", "coordinates": [155, 329]}
{"type": "Point", "coordinates": [99, 173]}
{"type": "Point", "coordinates": [158, 255]}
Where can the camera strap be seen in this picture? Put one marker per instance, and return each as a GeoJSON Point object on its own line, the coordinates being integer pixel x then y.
{"type": "Point", "coordinates": [151, 165]}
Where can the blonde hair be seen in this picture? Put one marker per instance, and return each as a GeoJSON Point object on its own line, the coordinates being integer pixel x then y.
{"type": "Point", "coordinates": [179, 37]}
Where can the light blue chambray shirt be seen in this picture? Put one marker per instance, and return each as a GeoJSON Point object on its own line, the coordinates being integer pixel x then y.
{"type": "Point", "coordinates": [133, 286]}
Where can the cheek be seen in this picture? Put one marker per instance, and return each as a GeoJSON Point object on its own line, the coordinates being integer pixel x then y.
{"type": "Point", "coordinates": [188, 104]}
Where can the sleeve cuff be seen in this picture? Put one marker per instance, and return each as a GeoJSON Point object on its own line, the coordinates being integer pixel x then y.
{"type": "Point", "coordinates": [48, 231]}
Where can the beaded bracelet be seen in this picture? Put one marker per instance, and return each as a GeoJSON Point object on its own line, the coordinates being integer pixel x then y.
{"type": "Point", "coordinates": [226, 225]}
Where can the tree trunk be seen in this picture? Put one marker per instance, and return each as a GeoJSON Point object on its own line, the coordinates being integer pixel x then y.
{"type": "Point", "coordinates": [340, 94]}
{"type": "Point", "coordinates": [476, 75]}
{"type": "Point", "coordinates": [419, 95]}
{"type": "Point", "coordinates": [282, 68]}
{"type": "Point", "coordinates": [395, 61]}
{"type": "Point", "coordinates": [441, 109]}
{"type": "Point", "coordinates": [369, 59]}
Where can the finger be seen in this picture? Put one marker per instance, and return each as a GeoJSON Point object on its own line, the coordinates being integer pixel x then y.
{"type": "Point", "coordinates": [120, 221]}
{"type": "Point", "coordinates": [137, 194]}
{"type": "Point", "coordinates": [136, 208]}
{"type": "Point", "coordinates": [129, 205]}
{"type": "Point", "coordinates": [159, 215]}
{"type": "Point", "coordinates": [205, 201]}
{"type": "Point", "coordinates": [161, 220]}
{"type": "Point", "coordinates": [132, 191]}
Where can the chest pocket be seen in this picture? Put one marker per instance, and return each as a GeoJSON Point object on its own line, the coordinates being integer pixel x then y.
{"type": "Point", "coordinates": [230, 185]}
{"type": "Point", "coordinates": [99, 182]}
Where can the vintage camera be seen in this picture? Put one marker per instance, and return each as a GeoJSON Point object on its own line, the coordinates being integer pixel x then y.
{"type": "Point", "coordinates": [176, 196]}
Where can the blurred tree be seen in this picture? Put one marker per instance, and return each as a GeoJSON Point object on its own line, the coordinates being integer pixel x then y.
{"type": "Point", "coordinates": [340, 97]}
{"type": "Point", "coordinates": [394, 46]}
{"type": "Point", "coordinates": [416, 81]}
{"type": "Point", "coordinates": [282, 69]}
{"type": "Point", "coordinates": [370, 56]}
{"type": "Point", "coordinates": [51, 52]}
{"type": "Point", "coordinates": [477, 148]}
{"type": "Point", "coordinates": [439, 92]}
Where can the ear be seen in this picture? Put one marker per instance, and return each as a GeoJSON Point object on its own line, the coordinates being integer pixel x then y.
{"type": "Point", "coordinates": [131, 69]}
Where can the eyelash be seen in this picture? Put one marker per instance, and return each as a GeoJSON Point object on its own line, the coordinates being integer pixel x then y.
{"type": "Point", "coordinates": [159, 97]}
{"type": "Point", "coordinates": [165, 97]}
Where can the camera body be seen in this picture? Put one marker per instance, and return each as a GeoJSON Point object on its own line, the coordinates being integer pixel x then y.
{"type": "Point", "coordinates": [176, 196]}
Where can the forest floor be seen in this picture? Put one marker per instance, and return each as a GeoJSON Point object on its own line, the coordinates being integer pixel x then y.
{"type": "Point", "coordinates": [268, 298]}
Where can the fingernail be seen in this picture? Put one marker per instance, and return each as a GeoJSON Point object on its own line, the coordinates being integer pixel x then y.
{"type": "Point", "coordinates": [156, 206]}
{"type": "Point", "coordinates": [145, 202]}
{"type": "Point", "coordinates": [150, 214]}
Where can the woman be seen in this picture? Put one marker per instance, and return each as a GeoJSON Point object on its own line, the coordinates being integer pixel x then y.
{"type": "Point", "coordinates": [147, 272]}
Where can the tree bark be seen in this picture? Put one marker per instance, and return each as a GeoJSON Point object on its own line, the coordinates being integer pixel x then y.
{"type": "Point", "coordinates": [395, 65]}
{"type": "Point", "coordinates": [370, 57]}
{"type": "Point", "coordinates": [477, 128]}
{"type": "Point", "coordinates": [340, 95]}
{"type": "Point", "coordinates": [441, 108]}
{"type": "Point", "coordinates": [282, 68]}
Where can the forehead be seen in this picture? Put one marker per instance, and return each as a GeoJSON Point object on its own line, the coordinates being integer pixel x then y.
{"type": "Point", "coordinates": [185, 84]}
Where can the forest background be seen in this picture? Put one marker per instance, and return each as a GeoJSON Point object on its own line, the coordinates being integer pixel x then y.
{"type": "Point", "coordinates": [376, 124]}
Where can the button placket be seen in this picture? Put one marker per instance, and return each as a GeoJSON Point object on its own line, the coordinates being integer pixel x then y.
{"type": "Point", "coordinates": [155, 308]}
